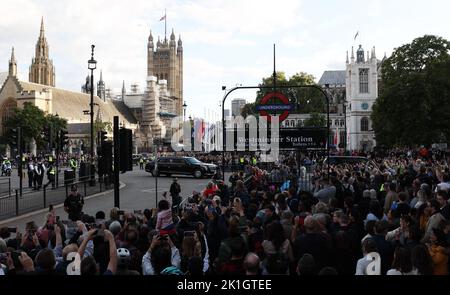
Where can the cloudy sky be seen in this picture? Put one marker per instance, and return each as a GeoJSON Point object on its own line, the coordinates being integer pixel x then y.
{"type": "Point", "coordinates": [226, 42]}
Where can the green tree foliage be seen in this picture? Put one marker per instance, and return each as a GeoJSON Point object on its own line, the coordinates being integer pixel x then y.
{"type": "Point", "coordinates": [315, 120]}
{"type": "Point", "coordinates": [414, 105]}
{"type": "Point", "coordinates": [101, 126]}
{"type": "Point", "coordinates": [56, 123]}
{"type": "Point", "coordinates": [305, 100]}
{"type": "Point", "coordinates": [32, 120]}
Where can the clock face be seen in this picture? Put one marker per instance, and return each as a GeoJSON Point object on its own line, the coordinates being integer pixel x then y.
{"type": "Point", "coordinates": [365, 106]}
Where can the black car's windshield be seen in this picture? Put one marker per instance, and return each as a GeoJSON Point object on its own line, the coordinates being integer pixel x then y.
{"type": "Point", "coordinates": [193, 161]}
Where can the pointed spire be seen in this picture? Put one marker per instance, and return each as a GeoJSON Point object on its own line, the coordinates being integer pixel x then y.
{"type": "Point", "coordinates": [13, 58]}
{"type": "Point", "coordinates": [346, 59]}
{"type": "Point", "coordinates": [123, 90]}
{"type": "Point", "coordinates": [101, 76]}
{"type": "Point", "coordinates": [12, 64]}
{"type": "Point", "coordinates": [172, 36]}
{"type": "Point", "coordinates": [353, 55]}
{"type": "Point", "coordinates": [368, 56]}
{"type": "Point", "coordinates": [42, 28]}
{"type": "Point", "coordinates": [158, 44]}
{"type": "Point", "coordinates": [150, 37]}
{"type": "Point", "coordinates": [373, 53]}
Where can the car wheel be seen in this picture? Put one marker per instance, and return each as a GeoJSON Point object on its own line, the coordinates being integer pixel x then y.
{"type": "Point", "coordinates": [168, 174]}
{"type": "Point", "coordinates": [198, 174]}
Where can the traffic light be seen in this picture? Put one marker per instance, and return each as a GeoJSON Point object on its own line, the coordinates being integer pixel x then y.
{"type": "Point", "coordinates": [103, 137]}
{"type": "Point", "coordinates": [63, 139]}
{"type": "Point", "coordinates": [47, 135]}
{"type": "Point", "coordinates": [126, 149]}
{"type": "Point", "coordinates": [13, 138]}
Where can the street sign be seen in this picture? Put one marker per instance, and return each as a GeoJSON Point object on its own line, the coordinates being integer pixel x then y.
{"type": "Point", "coordinates": [273, 103]}
{"type": "Point", "coordinates": [288, 138]}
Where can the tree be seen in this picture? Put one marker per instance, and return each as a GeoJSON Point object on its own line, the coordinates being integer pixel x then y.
{"type": "Point", "coordinates": [56, 123]}
{"type": "Point", "coordinates": [101, 126]}
{"type": "Point", "coordinates": [316, 120]}
{"type": "Point", "coordinates": [414, 105]}
{"type": "Point", "coordinates": [31, 119]}
{"type": "Point", "coordinates": [306, 100]}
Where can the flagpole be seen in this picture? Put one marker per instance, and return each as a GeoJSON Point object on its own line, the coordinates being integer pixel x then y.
{"type": "Point", "coordinates": [165, 24]}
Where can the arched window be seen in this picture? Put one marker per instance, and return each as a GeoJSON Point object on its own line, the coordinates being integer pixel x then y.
{"type": "Point", "coordinates": [363, 80]}
{"type": "Point", "coordinates": [364, 124]}
{"type": "Point", "coordinates": [7, 111]}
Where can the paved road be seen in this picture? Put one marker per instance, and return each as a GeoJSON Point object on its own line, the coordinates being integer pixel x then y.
{"type": "Point", "coordinates": [139, 193]}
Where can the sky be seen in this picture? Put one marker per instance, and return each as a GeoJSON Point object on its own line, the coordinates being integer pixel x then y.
{"type": "Point", "coordinates": [225, 42]}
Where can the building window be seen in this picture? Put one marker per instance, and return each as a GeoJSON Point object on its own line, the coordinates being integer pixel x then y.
{"type": "Point", "coordinates": [7, 111]}
{"type": "Point", "coordinates": [364, 124]}
{"type": "Point", "coordinates": [363, 80]}
{"type": "Point", "coordinates": [342, 123]}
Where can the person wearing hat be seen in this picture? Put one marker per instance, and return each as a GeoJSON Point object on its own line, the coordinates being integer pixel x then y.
{"type": "Point", "coordinates": [74, 203]}
{"type": "Point", "coordinates": [175, 190]}
{"type": "Point", "coordinates": [51, 173]}
{"type": "Point", "coordinates": [39, 170]}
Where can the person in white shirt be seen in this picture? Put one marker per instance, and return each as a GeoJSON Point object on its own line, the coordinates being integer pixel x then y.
{"type": "Point", "coordinates": [363, 264]}
{"type": "Point", "coordinates": [402, 263]}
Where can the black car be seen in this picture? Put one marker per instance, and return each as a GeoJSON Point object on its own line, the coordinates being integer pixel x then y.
{"type": "Point", "coordinates": [181, 165]}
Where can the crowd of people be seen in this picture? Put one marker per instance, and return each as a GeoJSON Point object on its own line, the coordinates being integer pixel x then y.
{"type": "Point", "coordinates": [387, 216]}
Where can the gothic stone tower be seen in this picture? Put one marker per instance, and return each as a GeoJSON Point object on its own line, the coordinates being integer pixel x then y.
{"type": "Point", "coordinates": [41, 69]}
{"type": "Point", "coordinates": [362, 90]}
{"type": "Point", "coordinates": [166, 63]}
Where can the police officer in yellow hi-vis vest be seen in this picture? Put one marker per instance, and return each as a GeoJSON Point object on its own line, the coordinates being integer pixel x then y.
{"type": "Point", "coordinates": [141, 163]}
{"type": "Point", "coordinates": [242, 162]}
{"type": "Point", "coordinates": [51, 173]}
{"type": "Point", "coordinates": [73, 164]}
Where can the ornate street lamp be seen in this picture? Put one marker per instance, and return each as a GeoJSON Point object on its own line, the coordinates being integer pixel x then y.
{"type": "Point", "coordinates": [92, 65]}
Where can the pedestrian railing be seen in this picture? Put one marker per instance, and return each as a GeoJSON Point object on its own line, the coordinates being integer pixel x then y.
{"type": "Point", "coordinates": [5, 186]}
{"type": "Point", "coordinates": [16, 204]}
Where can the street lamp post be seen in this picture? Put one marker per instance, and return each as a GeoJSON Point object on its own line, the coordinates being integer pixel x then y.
{"type": "Point", "coordinates": [92, 65]}
{"type": "Point", "coordinates": [184, 111]}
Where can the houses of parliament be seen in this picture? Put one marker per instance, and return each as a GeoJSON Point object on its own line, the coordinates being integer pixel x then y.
{"type": "Point", "coordinates": [148, 113]}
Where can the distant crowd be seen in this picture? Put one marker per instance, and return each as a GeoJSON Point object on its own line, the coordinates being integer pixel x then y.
{"type": "Point", "coordinates": [387, 216]}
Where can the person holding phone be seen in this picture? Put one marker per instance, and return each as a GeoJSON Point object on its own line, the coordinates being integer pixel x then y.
{"type": "Point", "coordinates": [164, 221]}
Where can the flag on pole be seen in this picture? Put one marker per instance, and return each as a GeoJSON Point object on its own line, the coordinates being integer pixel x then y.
{"type": "Point", "coordinates": [357, 33]}
{"type": "Point", "coordinates": [163, 18]}
{"type": "Point", "coordinates": [338, 138]}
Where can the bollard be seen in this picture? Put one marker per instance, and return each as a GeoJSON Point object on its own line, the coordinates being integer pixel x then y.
{"type": "Point", "coordinates": [67, 190]}
{"type": "Point", "coordinates": [84, 182]}
{"type": "Point", "coordinates": [17, 203]}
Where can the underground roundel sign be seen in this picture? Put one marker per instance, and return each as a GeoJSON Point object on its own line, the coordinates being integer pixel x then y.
{"type": "Point", "coordinates": [273, 104]}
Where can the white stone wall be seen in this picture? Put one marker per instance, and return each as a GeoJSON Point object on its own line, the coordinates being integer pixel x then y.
{"type": "Point", "coordinates": [356, 100]}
